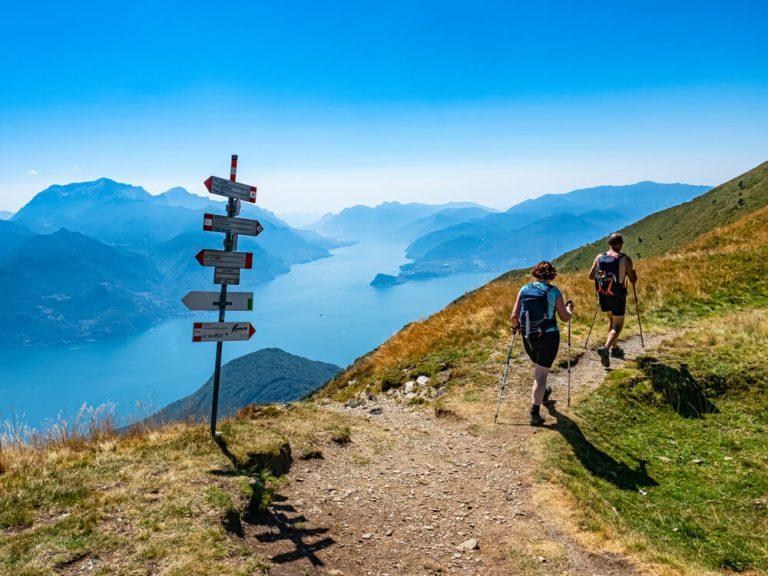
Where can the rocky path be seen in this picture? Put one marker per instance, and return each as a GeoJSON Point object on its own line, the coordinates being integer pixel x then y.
{"type": "Point", "coordinates": [416, 494]}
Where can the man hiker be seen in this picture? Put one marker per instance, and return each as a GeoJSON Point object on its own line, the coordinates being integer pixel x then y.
{"type": "Point", "coordinates": [610, 271]}
{"type": "Point", "coordinates": [534, 317]}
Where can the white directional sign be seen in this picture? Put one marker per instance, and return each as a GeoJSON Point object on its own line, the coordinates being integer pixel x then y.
{"type": "Point", "coordinates": [224, 187]}
{"type": "Point", "coordinates": [216, 223]}
{"type": "Point", "coordinates": [237, 301]}
{"type": "Point", "coordinates": [225, 259]}
{"type": "Point", "coordinates": [222, 331]}
{"type": "Point", "coordinates": [226, 276]}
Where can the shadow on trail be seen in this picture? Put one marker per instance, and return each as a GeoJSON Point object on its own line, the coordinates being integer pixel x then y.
{"type": "Point", "coordinates": [597, 462]}
{"type": "Point", "coordinates": [275, 520]}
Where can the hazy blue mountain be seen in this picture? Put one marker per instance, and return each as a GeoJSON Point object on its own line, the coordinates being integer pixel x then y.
{"type": "Point", "coordinates": [515, 248]}
{"type": "Point", "coordinates": [539, 228]}
{"type": "Point", "coordinates": [268, 375]}
{"type": "Point", "coordinates": [387, 221]}
{"type": "Point", "coordinates": [65, 287]}
{"type": "Point", "coordinates": [6, 215]}
{"type": "Point", "coordinates": [109, 211]}
{"type": "Point", "coordinates": [12, 238]}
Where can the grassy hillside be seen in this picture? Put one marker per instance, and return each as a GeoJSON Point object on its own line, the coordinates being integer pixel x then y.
{"type": "Point", "coordinates": [266, 376]}
{"type": "Point", "coordinates": [673, 228]}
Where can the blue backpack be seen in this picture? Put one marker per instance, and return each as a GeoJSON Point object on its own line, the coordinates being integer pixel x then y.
{"type": "Point", "coordinates": [534, 311]}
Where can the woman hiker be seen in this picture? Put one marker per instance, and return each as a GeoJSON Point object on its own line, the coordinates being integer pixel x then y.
{"type": "Point", "coordinates": [534, 318]}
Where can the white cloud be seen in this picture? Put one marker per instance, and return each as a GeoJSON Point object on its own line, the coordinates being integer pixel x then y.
{"type": "Point", "coordinates": [32, 172]}
{"type": "Point", "coordinates": [75, 168]}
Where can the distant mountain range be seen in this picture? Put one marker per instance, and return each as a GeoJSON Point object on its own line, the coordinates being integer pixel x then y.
{"type": "Point", "coordinates": [393, 221]}
{"type": "Point", "coordinates": [268, 375]}
{"type": "Point", "coordinates": [5, 215]}
{"type": "Point", "coordinates": [104, 258]}
{"type": "Point", "coordinates": [66, 286]}
{"type": "Point", "coordinates": [535, 229]}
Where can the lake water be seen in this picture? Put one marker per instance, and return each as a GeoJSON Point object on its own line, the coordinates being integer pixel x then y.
{"type": "Point", "coordinates": [323, 310]}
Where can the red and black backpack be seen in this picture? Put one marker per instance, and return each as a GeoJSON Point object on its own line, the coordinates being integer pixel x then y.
{"type": "Point", "coordinates": [607, 275]}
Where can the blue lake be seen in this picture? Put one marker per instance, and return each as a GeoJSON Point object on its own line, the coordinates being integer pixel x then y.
{"type": "Point", "coordinates": [323, 310]}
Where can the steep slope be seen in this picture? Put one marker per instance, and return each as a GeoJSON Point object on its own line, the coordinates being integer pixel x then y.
{"type": "Point", "coordinates": [675, 227]}
{"type": "Point", "coordinates": [65, 286]}
{"type": "Point", "coordinates": [266, 376]}
{"type": "Point", "coordinates": [493, 242]}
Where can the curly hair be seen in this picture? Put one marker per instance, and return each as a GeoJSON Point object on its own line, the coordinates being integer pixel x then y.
{"type": "Point", "coordinates": [544, 271]}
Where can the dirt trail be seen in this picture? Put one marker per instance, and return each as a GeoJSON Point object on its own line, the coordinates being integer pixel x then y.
{"type": "Point", "coordinates": [412, 494]}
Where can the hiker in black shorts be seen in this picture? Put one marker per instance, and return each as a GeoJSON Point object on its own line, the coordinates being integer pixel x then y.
{"type": "Point", "coordinates": [610, 271]}
{"type": "Point", "coordinates": [534, 318]}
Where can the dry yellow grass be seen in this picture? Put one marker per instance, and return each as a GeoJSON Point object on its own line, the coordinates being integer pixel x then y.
{"type": "Point", "coordinates": [719, 272]}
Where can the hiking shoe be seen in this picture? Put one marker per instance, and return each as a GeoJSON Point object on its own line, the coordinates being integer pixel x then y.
{"type": "Point", "coordinates": [547, 395]}
{"type": "Point", "coordinates": [605, 357]}
{"type": "Point", "coordinates": [536, 419]}
{"type": "Point", "coordinates": [617, 352]}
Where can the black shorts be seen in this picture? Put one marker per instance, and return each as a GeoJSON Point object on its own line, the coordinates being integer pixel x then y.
{"type": "Point", "coordinates": [543, 350]}
{"type": "Point", "coordinates": [616, 305]}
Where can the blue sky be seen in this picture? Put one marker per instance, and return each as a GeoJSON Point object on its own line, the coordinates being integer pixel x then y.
{"type": "Point", "coordinates": [335, 103]}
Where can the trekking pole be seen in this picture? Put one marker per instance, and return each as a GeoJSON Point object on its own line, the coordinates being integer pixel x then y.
{"type": "Point", "coordinates": [597, 309]}
{"type": "Point", "coordinates": [639, 322]}
{"type": "Point", "coordinates": [569, 362]}
{"type": "Point", "coordinates": [504, 377]}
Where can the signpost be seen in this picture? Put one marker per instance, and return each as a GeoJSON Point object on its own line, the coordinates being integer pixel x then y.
{"type": "Point", "coordinates": [225, 259]}
{"type": "Point", "coordinates": [236, 301]}
{"type": "Point", "coordinates": [228, 264]}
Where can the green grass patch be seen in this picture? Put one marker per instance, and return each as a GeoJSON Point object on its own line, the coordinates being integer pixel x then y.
{"type": "Point", "coordinates": [676, 448]}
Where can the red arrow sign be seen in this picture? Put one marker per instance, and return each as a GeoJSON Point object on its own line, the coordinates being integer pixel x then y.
{"type": "Point", "coordinates": [222, 331]}
{"type": "Point", "coordinates": [231, 189]}
{"type": "Point", "coordinates": [225, 259]}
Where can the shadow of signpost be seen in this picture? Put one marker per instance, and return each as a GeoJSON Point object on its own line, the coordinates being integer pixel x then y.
{"type": "Point", "coordinates": [283, 527]}
{"type": "Point", "coordinates": [278, 520]}
{"type": "Point", "coordinates": [597, 462]}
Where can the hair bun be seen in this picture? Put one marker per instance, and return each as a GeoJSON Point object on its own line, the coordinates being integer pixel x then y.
{"type": "Point", "coordinates": [544, 271]}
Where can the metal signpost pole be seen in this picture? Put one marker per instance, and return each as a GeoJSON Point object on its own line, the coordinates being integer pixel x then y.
{"type": "Point", "coordinates": [229, 244]}
{"type": "Point", "coordinates": [227, 264]}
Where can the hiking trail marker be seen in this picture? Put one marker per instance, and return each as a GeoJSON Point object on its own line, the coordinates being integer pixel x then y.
{"type": "Point", "coordinates": [227, 264]}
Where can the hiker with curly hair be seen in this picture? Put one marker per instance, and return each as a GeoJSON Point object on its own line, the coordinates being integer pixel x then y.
{"type": "Point", "coordinates": [535, 317]}
{"type": "Point", "coordinates": [610, 271]}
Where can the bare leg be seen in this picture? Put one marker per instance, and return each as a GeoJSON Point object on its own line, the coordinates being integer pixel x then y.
{"type": "Point", "coordinates": [540, 374]}
{"type": "Point", "coordinates": [617, 325]}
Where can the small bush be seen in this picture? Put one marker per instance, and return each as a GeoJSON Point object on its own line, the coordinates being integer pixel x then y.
{"type": "Point", "coordinates": [341, 435]}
